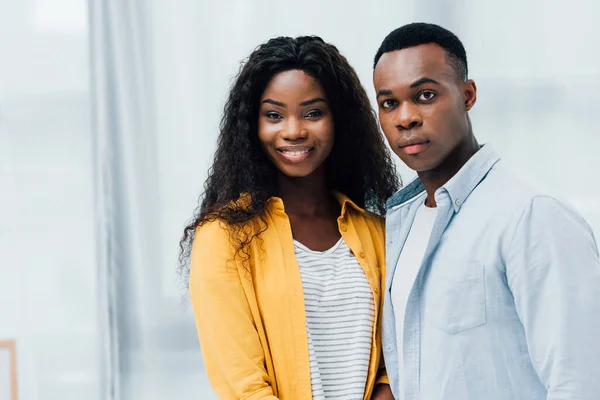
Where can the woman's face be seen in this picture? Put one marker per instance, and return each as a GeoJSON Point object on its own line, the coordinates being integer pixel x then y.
{"type": "Point", "coordinates": [295, 123]}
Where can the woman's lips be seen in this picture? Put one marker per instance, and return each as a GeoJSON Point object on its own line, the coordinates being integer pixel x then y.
{"type": "Point", "coordinates": [295, 155]}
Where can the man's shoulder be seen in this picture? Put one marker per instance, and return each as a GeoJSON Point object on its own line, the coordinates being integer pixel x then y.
{"type": "Point", "coordinates": [506, 187]}
{"type": "Point", "coordinates": [514, 197]}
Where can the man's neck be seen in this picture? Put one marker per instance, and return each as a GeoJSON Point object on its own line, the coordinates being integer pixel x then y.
{"type": "Point", "coordinates": [434, 179]}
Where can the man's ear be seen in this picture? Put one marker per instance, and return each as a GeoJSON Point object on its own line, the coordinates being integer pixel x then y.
{"type": "Point", "coordinates": [470, 94]}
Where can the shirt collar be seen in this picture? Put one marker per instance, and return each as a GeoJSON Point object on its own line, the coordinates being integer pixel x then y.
{"type": "Point", "coordinates": [342, 199]}
{"type": "Point", "coordinates": [460, 186]}
{"type": "Point", "coordinates": [345, 202]}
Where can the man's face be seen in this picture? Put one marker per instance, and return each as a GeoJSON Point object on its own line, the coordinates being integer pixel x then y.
{"type": "Point", "coordinates": [422, 105]}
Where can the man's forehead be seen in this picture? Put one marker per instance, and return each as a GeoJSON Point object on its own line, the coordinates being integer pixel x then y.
{"type": "Point", "coordinates": [412, 63]}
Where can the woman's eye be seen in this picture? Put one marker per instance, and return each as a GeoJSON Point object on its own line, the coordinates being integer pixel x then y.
{"type": "Point", "coordinates": [314, 114]}
{"type": "Point", "coordinates": [426, 96]}
{"type": "Point", "coordinates": [273, 115]}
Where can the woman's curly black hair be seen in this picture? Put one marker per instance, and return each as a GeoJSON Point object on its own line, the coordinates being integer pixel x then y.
{"type": "Point", "coordinates": [359, 165]}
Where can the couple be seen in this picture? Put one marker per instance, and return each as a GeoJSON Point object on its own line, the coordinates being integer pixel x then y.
{"type": "Point", "coordinates": [491, 291]}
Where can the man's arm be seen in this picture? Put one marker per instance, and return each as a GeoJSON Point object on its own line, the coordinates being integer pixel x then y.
{"type": "Point", "coordinates": [553, 271]}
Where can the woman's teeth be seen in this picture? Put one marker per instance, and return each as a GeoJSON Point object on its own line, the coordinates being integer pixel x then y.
{"type": "Point", "coordinates": [295, 153]}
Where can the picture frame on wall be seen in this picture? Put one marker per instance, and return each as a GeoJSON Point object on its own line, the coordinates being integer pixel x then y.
{"type": "Point", "coordinates": [8, 370]}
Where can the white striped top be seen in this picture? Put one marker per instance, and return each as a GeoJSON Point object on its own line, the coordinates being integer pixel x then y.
{"type": "Point", "coordinates": [340, 314]}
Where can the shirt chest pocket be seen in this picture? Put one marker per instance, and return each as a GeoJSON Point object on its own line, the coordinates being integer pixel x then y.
{"type": "Point", "coordinates": [455, 296]}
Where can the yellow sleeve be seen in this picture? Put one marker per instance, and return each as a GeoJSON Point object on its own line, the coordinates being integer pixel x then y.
{"type": "Point", "coordinates": [381, 372]}
{"type": "Point", "coordinates": [232, 352]}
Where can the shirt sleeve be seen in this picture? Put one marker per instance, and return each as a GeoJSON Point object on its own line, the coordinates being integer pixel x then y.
{"type": "Point", "coordinates": [553, 271]}
{"type": "Point", "coordinates": [231, 348]}
{"type": "Point", "coordinates": [379, 223]}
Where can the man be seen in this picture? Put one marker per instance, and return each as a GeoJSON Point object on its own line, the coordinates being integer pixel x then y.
{"type": "Point", "coordinates": [493, 288]}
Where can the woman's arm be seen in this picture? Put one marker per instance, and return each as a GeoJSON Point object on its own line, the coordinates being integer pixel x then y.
{"type": "Point", "coordinates": [232, 352]}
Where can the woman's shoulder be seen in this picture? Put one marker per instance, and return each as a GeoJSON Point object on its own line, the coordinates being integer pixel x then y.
{"type": "Point", "coordinates": [365, 219]}
{"type": "Point", "coordinates": [377, 222]}
{"type": "Point", "coordinates": [371, 217]}
{"type": "Point", "coordinates": [219, 230]}
{"type": "Point", "coordinates": [376, 218]}
{"type": "Point", "coordinates": [359, 211]}
{"type": "Point", "coordinates": [213, 232]}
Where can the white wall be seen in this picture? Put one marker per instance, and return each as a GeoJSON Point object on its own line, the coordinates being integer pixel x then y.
{"type": "Point", "coordinates": [47, 265]}
{"type": "Point", "coordinates": [538, 77]}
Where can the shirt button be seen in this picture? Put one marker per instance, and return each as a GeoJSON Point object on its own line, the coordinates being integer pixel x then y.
{"type": "Point", "coordinates": [457, 202]}
{"type": "Point", "coordinates": [376, 291]}
{"type": "Point", "coordinates": [344, 229]}
{"type": "Point", "coordinates": [361, 255]}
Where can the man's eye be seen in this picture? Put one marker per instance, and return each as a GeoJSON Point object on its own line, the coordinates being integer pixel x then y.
{"type": "Point", "coordinates": [388, 103]}
{"type": "Point", "coordinates": [426, 96]}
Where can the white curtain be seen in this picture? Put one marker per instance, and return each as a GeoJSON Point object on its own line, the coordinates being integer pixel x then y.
{"type": "Point", "coordinates": [48, 302]}
{"type": "Point", "coordinates": [126, 186]}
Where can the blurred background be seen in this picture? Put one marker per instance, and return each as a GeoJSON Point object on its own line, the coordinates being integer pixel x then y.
{"type": "Point", "coordinates": [109, 112]}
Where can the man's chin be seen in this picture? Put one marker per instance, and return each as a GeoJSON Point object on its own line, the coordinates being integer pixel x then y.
{"type": "Point", "coordinates": [420, 165]}
{"type": "Point", "coordinates": [423, 168]}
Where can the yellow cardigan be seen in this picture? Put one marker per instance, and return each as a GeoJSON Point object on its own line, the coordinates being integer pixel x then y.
{"type": "Point", "coordinates": [250, 315]}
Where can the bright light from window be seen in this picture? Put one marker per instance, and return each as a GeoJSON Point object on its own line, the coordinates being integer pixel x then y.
{"type": "Point", "coordinates": [61, 16]}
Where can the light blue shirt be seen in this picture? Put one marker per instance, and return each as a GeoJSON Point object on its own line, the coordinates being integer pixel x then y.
{"type": "Point", "coordinates": [506, 304]}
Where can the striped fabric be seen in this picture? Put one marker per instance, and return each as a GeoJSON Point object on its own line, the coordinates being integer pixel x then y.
{"type": "Point", "coordinates": [339, 319]}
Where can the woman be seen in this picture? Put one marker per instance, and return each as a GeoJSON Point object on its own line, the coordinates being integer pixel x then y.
{"type": "Point", "coordinates": [286, 265]}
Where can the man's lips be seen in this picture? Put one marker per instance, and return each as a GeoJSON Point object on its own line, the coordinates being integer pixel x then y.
{"type": "Point", "coordinates": [414, 147]}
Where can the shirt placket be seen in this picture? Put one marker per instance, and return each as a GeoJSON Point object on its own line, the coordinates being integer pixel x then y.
{"type": "Point", "coordinates": [412, 327]}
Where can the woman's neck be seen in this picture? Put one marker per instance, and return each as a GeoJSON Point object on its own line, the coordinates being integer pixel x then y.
{"type": "Point", "coordinates": [308, 196]}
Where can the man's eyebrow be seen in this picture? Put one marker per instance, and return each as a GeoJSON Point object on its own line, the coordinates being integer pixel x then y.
{"type": "Point", "coordinates": [384, 92]}
{"type": "Point", "coordinates": [422, 81]}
